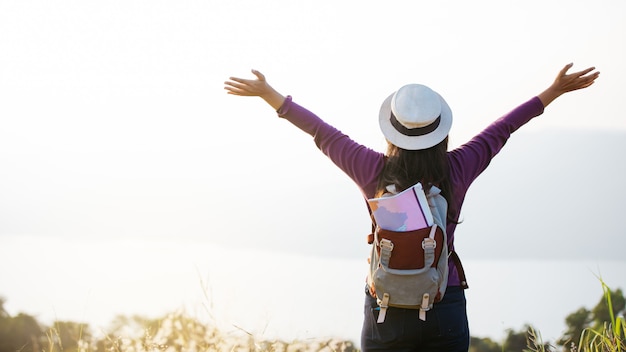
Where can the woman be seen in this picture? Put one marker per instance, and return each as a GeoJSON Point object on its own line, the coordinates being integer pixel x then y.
{"type": "Point", "coordinates": [415, 120]}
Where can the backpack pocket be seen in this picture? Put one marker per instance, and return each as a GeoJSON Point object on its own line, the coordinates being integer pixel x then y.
{"type": "Point", "coordinates": [406, 267]}
{"type": "Point", "coordinates": [407, 291]}
{"type": "Point", "coordinates": [409, 247]}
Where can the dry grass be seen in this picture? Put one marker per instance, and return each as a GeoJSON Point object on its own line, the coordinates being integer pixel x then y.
{"type": "Point", "coordinates": [177, 332]}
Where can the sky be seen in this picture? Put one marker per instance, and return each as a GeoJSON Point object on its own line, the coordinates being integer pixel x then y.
{"type": "Point", "coordinates": [115, 126]}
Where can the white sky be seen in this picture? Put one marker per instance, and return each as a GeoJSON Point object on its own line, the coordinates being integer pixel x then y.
{"type": "Point", "coordinates": [114, 122]}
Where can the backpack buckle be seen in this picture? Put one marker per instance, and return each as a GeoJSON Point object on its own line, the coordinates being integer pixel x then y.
{"type": "Point", "coordinates": [386, 244]}
{"type": "Point", "coordinates": [386, 247]}
{"type": "Point", "coordinates": [429, 243]}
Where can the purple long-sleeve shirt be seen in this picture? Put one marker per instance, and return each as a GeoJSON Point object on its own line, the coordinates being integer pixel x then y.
{"type": "Point", "coordinates": [364, 165]}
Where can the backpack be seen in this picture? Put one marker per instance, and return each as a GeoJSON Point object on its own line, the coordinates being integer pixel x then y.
{"type": "Point", "coordinates": [409, 269]}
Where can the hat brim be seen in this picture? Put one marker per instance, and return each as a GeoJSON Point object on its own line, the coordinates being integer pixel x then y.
{"type": "Point", "coordinates": [414, 142]}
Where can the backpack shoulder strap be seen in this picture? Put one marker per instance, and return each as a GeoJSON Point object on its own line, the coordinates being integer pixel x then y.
{"type": "Point", "coordinates": [370, 236]}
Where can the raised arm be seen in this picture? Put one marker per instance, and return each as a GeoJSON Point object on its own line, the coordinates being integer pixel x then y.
{"type": "Point", "coordinates": [255, 88]}
{"type": "Point", "coordinates": [564, 83]}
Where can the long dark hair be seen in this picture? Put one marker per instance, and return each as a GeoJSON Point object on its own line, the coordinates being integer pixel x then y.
{"type": "Point", "coordinates": [404, 168]}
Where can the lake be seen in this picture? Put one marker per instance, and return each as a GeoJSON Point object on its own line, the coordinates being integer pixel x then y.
{"type": "Point", "coordinates": [269, 294]}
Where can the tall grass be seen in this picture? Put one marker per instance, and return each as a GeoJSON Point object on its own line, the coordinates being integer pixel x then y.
{"type": "Point", "coordinates": [611, 336]}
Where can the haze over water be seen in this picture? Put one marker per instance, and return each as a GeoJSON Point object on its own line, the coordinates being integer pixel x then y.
{"type": "Point", "coordinates": [269, 294]}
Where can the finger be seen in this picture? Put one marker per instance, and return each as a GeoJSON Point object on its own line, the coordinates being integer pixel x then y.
{"type": "Point", "coordinates": [231, 89]}
{"type": "Point", "coordinates": [586, 81]}
{"type": "Point", "coordinates": [583, 72]}
{"type": "Point", "coordinates": [238, 87]}
{"type": "Point", "coordinates": [258, 75]}
{"type": "Point", "coordinates": [590, 79]}
{"type": "Point", "coordinates": [564, 70]}
{"type": "Point", "coordinates": [235, 84]}
{"type": "Point", "coordinates": [236, 91]}
{"type": "Point", "coordinates": [240, 80]}
{"type": "Point", "coordinates": [583, 82]}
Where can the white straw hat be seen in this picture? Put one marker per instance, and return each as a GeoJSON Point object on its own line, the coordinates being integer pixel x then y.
{"type": "Point", "coordinates": [415, 117]}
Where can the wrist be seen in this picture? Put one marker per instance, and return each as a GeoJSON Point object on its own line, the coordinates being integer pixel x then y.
{"type": "Point", "coordinates": [273, 98]}
{"type": "Point", "coordinates": [548, 96]}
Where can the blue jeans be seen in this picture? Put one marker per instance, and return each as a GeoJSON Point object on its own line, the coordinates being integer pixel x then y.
{"type": "Point", "coordinates": [445, 329]}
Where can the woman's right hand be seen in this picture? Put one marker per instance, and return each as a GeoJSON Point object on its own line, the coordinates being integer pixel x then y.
{"type": "Point", "coordinates": [255, 88]}
{"type": "Point", "coordinates": [568, 82]}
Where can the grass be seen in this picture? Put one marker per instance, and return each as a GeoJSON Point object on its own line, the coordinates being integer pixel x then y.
{"type": "Point", "coordinates": [610, 337]}
{"type": "Point", "coordinates": [535, 342]}
{"type": "Point", "coordinates": [177, 332]}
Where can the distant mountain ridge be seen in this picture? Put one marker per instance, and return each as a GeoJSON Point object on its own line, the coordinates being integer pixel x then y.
{"type": "Point", "coordinates": [550, 195]}
{"type": "Point", "coordinates": [547, 195]}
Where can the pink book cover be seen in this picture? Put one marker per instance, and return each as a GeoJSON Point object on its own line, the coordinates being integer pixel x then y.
{"type": "Point", "coordinates": [405, 211]}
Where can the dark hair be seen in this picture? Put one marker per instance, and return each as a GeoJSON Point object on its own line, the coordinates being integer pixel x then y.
{"type": "Point", "coordinates": [404, 168]}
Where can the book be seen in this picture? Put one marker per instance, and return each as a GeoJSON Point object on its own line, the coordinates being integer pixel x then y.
{"type": "Point", "coordinates": [405, 211]}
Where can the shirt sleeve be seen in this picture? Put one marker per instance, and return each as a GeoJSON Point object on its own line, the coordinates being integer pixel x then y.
{"type": "Point", "coordinates": [472, 158]}
{"type": "Point", "coordinates": [361, 164]}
